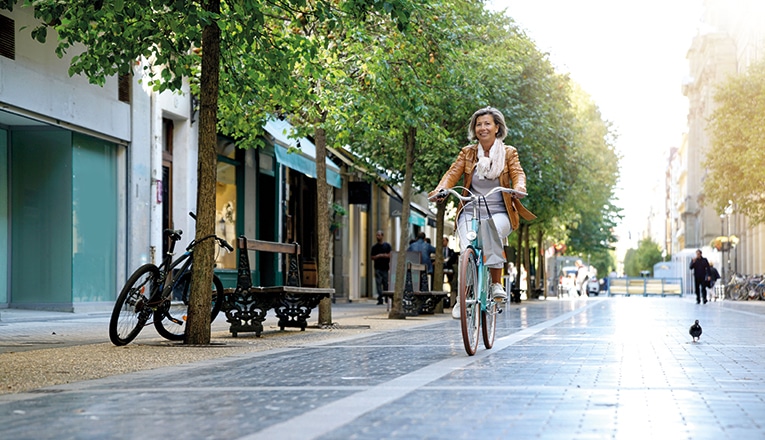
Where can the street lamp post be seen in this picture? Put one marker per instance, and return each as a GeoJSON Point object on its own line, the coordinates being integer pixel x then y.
{"type": "Point", "coordinates": [728, 212]}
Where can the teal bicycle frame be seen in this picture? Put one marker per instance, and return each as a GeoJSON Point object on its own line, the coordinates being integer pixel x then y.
{"type": "Point", "coordinates": [474, 278]}
{"type": "Point", "coordinates": [483, 271]}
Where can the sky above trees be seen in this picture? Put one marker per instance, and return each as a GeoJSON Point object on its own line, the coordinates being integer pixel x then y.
{"type": "Point", "coordinates": [630, 57]}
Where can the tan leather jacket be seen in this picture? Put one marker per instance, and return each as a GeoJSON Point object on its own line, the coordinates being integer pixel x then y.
{"type": "Point", "coordinates": [511, 177]}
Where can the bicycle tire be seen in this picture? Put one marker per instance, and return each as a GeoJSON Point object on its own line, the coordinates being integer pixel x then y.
{"type": "Point", "coordinates": [489, 321]}
{"type": "Point", "coordinates": [752, 293]}
{"type": "Point", "coordinates": [469, 302]}
{"type": "Point", "coordinates": [170, 317]}
{"type": "Point", "coordinates": [131, 310]}
{"type": "Point", "coordinates": [743, 292]}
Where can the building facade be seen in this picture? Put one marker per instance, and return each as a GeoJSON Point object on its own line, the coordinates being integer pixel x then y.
{"type": "Point", "coordinates": [731, 40]}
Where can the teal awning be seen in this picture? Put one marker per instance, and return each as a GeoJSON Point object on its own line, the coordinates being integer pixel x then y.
{"type": "Point", "coordinates": [416, 219]}
{"type": "Point", "coordinates": [303, 155]}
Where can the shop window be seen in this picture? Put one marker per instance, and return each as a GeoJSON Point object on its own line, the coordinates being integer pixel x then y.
{"type": "Point", "coordinates": [225, 202]}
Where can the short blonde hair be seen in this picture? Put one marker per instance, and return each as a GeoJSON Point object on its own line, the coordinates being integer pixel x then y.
{"type": "Point", "coordinates": [499, 120]}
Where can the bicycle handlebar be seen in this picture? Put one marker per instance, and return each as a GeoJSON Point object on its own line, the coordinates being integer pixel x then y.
{"type": "Point", "coordinates": [225, 244]}
{"type": "Point", "coordinates": [221, 241]}
{"type": "Point", "coordinates": [442, 194]}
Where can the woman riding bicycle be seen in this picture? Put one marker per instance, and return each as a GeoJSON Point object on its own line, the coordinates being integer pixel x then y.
{"type": "Point", "coordinates": [485, 165]}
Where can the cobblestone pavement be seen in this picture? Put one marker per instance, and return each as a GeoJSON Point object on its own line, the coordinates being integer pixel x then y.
{"type": "Point", "coordinates": [23, 330]}
{"type": "Point", "coordinates": [571, 369]}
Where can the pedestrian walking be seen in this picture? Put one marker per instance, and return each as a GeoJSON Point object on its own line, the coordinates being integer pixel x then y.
{"type": "Point", "coordinates": [582, 275]}
{"type": "Point", "coordinates": [381, 258]}
{"type": "Point", "coordinates": [700, 268]}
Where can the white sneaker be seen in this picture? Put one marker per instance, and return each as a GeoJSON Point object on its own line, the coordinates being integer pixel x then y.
{"type": "Point", "coordinates": [456, 310]}
{"type": "Point", "coordinates": [498, 292]}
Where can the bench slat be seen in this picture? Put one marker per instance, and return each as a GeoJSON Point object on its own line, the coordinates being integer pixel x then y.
{"type": "Point", "coordinates": [292, 290]}
{"type": "Point", "coordinates": [389, 293]}
{"type": "Point", "coordinates": [269, 246]}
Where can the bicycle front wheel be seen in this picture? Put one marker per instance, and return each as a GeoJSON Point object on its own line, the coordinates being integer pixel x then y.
{"type": "Point", "coordinates": [131, 310]}
{"type": "Point", "coordinates": [170, 318]}
{"type": "Point", "coordinates": [470, 306]}
{"type": "Point", "coordinates": [489, 322]}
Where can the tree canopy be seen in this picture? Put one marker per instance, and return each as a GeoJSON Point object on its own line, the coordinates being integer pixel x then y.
{"type": "Point", "coordinates": [735, 162]}
{"type": "Point", "coordinates": [393, 80]}
{"type": "Point", "coordinates": [643, 258]}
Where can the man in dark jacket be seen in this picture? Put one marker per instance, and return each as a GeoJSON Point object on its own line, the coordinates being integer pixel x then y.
{"type": "Point", "coordinates": [381, 257]}
{"type": "Point", "coordinates": [700, 268]}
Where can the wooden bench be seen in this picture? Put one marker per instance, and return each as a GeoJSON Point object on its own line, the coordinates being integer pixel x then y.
{"type": "Point", "coordinates": [420, 301]}
{"type": "Point", "coordinates": [247, 306]}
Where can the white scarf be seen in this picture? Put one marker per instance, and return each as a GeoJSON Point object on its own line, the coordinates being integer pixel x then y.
{"type": "Point", "coordinates": [491, 167]}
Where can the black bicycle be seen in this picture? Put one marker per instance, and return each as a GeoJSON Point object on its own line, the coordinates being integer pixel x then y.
{"type": "Point", "coordinates": [162, 292]}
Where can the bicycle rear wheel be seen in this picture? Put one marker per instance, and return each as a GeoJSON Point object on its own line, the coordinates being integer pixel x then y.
{"type": "Point", "coordinates": [170, 317]}
{"type": "Point", "coordinates": [470, 306]}
{"type": "Point", "coordinates": [131, 310]}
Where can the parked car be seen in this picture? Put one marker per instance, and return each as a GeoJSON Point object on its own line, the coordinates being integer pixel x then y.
{"type": "Point", "coordinates": [593, 286]}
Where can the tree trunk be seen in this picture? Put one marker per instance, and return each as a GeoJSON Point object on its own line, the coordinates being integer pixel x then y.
{"type": "Point", "coordinates": [541, 266]}
{"type": "Point", "coordinates": [438, 267]}
{"type": "Point", "coordinates": [322, 222]}
{"type": "Point", "coordinates": [200, 300]}
{"type": "Point", "coordinates": [397, 307]}
{"type": "Point", "coordinates": [527, 260]}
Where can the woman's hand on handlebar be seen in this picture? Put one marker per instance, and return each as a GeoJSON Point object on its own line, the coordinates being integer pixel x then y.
{"type": "Point", "coordinates": [439, 195]}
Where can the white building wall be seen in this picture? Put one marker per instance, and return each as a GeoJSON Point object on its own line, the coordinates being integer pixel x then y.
{"type": "Point", "coordinates": [37, 84]}
{"type": "Point", "coordinates": [138, 196]}
{"type": "Point", "coordinates": [177, 107]}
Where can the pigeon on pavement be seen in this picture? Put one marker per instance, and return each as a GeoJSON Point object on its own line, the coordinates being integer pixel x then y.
{"type": "Point", "coordinates": [695, 331]}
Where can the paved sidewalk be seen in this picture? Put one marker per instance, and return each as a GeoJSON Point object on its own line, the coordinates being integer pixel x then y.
{"type": "Point", "coordinates": [571, 369]}
{"type": "Point", "coordinates": [23, 330]}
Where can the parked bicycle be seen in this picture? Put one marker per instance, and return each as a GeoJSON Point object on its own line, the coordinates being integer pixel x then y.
{"type": "Point", "coordinates": [474, 277]}
{"type": "Point", "coordinates": [745, 287]}
{"type": "Point", "coordinates": [162, 292]}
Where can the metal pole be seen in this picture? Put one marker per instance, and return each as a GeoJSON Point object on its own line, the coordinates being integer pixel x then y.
{"type": "Point", "coordinates": [729, 243]}
{"type": "Point", "coordinates": [728, 212]}
{"type": "Point", "coordinates": [722, 246]}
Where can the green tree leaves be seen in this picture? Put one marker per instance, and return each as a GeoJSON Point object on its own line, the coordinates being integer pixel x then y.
{"type": "Point", "coordinates": [735, 162]}
{"type": "Point", "coordinates": [643, 258]}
